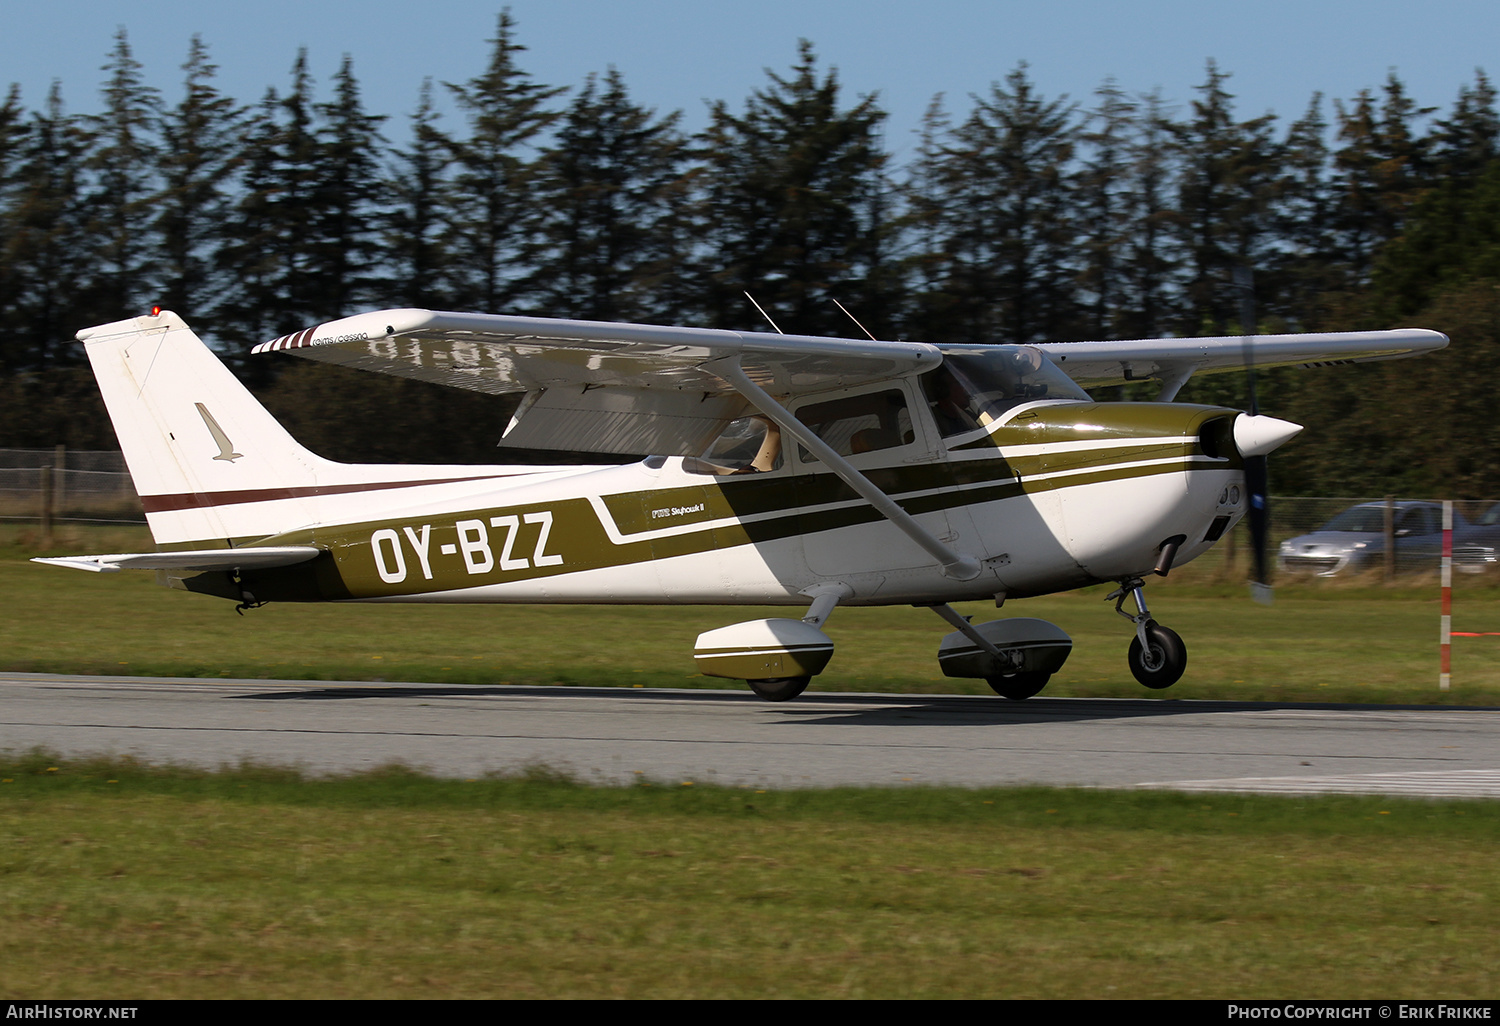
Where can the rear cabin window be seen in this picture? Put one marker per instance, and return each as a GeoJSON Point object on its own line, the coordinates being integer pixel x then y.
{"type": "Point", "coordinates": [859, 423]}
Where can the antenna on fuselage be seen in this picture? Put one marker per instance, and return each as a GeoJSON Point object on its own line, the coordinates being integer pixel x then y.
{"type": "Point", "coordinates": [764, 314]}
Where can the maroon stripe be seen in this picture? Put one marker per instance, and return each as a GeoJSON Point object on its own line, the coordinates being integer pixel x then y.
{"type": "Point", "coordinates": [205, 500]}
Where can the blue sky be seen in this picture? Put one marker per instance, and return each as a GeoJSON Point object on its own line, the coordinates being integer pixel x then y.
{"type": "Point", "coordinates": [675, 54]}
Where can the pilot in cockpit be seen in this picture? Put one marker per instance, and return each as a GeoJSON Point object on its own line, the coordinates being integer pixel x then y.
{"type": "Point", "coordinates": [951, 404]}
{"type": "Point", "coordinates": [749, 445]}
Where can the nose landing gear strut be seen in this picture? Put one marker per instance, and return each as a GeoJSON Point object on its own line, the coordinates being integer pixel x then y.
{"type": "Point", "coordinates": [1157, 655]}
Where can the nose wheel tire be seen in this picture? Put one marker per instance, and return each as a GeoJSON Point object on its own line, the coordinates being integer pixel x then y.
{"type": "Point", "coordinates": [1160, 665]}
{"type": "Point", "coordinates": [779, 689]}
{"type": "Point", "coordinates": [1018, 686]}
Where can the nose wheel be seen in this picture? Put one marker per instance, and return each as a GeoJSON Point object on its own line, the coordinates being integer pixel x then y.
{"type": "Point", "coordinates": [1160, 661]}
{"type": "Point", "coordinates": [1157, 655]}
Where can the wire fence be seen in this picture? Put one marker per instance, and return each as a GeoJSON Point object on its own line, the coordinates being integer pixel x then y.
{"type": "Point", "coordinates": [1398, 536]}
{"type": "Point", "coordinates": [62, 485]}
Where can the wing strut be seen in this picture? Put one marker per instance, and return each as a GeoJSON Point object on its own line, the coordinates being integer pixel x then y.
{"type": "Point", "coordinates": [1172, 380]}
{"type": "Point", "coordinates": [956, 565]}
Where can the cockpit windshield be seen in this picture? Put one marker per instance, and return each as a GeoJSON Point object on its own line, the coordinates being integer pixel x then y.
{"type": "Point", "coordinates": [975, 387]}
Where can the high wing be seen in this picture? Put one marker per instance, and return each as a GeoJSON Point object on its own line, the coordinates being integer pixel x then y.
{"type": "Point", "coordinates": [1173, 360]}
{"type": "Point", "coordinates": [604, 386]}
{"type": "Point", "coordinates": [601, 386]}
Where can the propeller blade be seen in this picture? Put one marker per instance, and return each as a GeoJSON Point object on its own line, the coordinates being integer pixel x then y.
{"type": "Point", "coordinates": [1259, 517]}
{"type": "Point", "coordinates": [1256, 436]}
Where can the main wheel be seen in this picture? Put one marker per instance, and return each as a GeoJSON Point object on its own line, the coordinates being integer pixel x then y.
{"type": "Point", "coordinates": [779, 689]}
{"type": "Point", "coordinates": [1018, 686]}
{"type": "Point", "coordinates": [1162, 666]}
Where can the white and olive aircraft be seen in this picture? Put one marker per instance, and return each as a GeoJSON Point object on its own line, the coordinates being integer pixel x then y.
{"type": "Point", "coordinates": [791, 470]}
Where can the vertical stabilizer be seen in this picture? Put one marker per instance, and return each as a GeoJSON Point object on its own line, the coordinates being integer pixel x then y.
{"type": "Point", "coordinates": [207, 459]}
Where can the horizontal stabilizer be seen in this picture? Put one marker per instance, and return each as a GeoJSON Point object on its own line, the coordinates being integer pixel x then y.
{"type": "Point", "coordinates": [198, 560]}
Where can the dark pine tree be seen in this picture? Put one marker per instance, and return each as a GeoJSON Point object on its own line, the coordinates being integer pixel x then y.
{"type": "Point", "coordinates": [1226, 193]}
{"type": "Point", "coordinates": [199, 155]}
{"type": "Point", "coordinates": [1465, 144]}
{"type": "Point", "coordinates": [612, 190]}
{"type": "Point", "coordinates": [51, 254]}
{"type": "Point", "coordinates": [1149, 257]}
{"type": "Point", "coordinates": [413, 252]}
{"type": "Point", "coordinates": [491, 210]}
{"type": "Point", "coordinates": [348, 191]}
{"type": "Point", "coordinates": [13, 138]}
{"type": "Point", "coordinates": [1380, 169]}
{"type": "Point", "coordinates": [1101, 208]}
{"type": "Point", "coordinates": [788, 205]}
{"type": "Point", "coordinates": [122, 170]}
{"type": "Point", "coordinates": [993, 208]}
{"type": "Point", "coordinates": [1306, 264]}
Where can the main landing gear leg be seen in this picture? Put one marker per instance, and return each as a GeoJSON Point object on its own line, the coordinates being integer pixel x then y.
{"type": "Point", "coordinates": [1157, 655]}
{"type": "Point", "coordinates": [807, 649]}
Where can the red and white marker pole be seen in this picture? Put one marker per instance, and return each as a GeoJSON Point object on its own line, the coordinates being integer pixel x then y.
{"type": "Point", "coordinates": [1445, 636]}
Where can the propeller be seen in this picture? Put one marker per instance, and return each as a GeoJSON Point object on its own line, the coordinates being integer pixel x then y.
{"type": "Point", "coordinates": [1256, 443]}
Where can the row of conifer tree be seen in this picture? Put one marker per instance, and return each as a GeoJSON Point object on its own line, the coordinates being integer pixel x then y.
{"type": "Point", "coordinates": [1014, 217]}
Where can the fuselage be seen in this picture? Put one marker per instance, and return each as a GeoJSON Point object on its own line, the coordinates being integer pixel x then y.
{"type": "Point", "coordinates": [1052, 495]}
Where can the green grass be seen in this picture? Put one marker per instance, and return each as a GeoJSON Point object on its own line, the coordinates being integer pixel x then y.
{"type": "Point", "coordinates": [1329, 641]}
{"type": "Point", "coordinates": [119, 880]}
{"type": "Point", "coordinates": [126, 881]}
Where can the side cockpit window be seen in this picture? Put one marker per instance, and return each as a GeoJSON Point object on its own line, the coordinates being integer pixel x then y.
{"type": "Point", "coordinates": [859, 423]}
{"type": "Point", "coordinates": [750, 445]}
{"type": "Point", "coordinates": [975, 387]}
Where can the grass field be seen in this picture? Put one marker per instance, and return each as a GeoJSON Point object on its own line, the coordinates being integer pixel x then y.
{"type": "Point", "coordinates": [124, 882]}
{"type": "Point", "coordinates": [1324, 641]}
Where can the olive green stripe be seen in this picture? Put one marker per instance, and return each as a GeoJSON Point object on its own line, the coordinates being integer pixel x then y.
{"type": "Point", "coordinates": [636, 512]}
{"type": "Point", "coordinates": [578, 536]}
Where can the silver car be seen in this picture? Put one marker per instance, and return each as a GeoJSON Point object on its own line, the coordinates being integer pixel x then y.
{"type": "Point", "coordinates": [1354, 541]}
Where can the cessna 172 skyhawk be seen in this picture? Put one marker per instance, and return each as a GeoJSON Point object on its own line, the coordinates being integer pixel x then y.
{"type": "Point", "coordinates": [792, 470]}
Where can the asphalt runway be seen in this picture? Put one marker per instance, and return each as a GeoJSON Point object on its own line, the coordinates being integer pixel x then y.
{"type": "Point", "coordinates": [615, 736]}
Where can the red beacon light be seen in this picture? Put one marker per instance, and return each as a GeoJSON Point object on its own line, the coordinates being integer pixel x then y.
{"type": "Point", "coordinates": [156, 311]}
